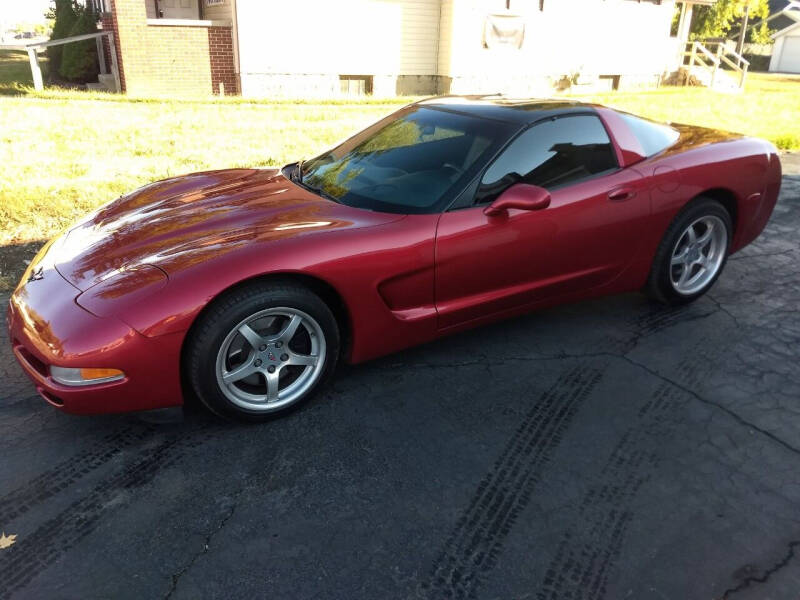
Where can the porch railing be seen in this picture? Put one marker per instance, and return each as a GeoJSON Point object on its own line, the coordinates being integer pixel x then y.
{"type": "Point", "coordinates": [36, 69]}
{"type": "Point", "coordinates": [701, 56]}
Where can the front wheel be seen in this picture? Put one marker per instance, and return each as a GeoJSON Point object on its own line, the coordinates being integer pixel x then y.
{"type": "Point", "coordinates": [261, 350]}
{"type": "Point", "coordinates": [692, 253]}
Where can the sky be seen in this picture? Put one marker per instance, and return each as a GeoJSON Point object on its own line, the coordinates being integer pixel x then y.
{"type": "Point", "coordinates": [23, 11]}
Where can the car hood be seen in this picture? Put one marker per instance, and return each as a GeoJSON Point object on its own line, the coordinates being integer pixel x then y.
{"type": "Point", "coordinates": [213, 212]}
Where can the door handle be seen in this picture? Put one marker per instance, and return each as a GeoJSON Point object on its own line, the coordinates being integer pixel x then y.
{"type": "Point", "coordinates": [621, 194]}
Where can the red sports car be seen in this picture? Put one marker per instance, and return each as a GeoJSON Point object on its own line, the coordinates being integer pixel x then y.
{"type": "Point", "coordinates": [247, 286]}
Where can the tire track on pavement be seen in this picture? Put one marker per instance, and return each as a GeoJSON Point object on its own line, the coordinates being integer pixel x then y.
{"type": "Point", "coordinates": [472, 548]}
{"type": "Point", "coordinates": [62, 475]}
{"type": "Point", "coordinates": [588, 550]}
{"type": "Point", "coordinates": [32, 554]}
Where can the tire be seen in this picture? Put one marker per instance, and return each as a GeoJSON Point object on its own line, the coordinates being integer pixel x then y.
{"type": "Point", "coordinates": [261, 350]}
{"type": "Point", "coordinates": [678, 251]}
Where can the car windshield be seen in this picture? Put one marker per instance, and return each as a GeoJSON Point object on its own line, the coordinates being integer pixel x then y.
{"type": "Point", "coordinates": [414, 161]}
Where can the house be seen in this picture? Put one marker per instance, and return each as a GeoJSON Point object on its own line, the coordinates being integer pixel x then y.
{"type": "Point", "coordinates": [786, 50]}
{"type": "Point", "coordinates": [389, 47]}
{"type": "Point", "coordinates": [782, 14]}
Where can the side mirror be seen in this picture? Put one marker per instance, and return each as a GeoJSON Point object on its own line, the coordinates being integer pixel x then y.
{"type": "Point", "coordinates": [521, 196]}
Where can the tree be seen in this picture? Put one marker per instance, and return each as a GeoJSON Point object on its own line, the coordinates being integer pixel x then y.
{"type": "Point", "coordinates": [79, 62]}
{"type": "Point", "coordinates": [65, 14]}
{"type": "Point", "coordinates": [719, 19]}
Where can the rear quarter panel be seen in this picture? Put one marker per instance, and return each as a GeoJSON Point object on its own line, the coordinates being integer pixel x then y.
{"type": "Point", "coordinates": [704, 161]}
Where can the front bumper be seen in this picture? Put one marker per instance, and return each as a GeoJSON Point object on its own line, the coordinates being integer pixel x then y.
{"type": "Point", "coordinates": [47, 327]}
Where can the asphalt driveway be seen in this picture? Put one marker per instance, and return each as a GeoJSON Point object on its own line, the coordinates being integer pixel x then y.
{"type": "Point", "coordinates": [611, 449]}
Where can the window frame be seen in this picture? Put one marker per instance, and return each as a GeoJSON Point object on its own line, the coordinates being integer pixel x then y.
{"type": "Point", "coordinates": [471, 202]}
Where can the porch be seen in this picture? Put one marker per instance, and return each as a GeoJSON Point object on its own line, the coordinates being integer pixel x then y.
{"type": "Point", "coordinates": [173, 47]}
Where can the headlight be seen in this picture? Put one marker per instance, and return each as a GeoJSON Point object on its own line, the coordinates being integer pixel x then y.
{"type": "Point", "coordinates": [71, 376]}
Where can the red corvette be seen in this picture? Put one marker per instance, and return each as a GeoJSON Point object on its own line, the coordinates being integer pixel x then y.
{"type": "Point", "coordinates": [247, 286]}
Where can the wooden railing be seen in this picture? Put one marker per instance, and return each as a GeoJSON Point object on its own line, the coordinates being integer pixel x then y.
{"type": "Point", "coordinates": [700, 55]}
{"type": "Point", "coordinates": [36, 69]}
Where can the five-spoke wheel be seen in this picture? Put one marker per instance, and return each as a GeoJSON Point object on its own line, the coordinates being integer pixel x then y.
{"type": "Point", "coordinates": [271, 358]}
{"type": "Point", "coordinates": [692, 253]}
{"type": "Point", "coordinates": [698, 254]}
{"type": "Point", "coordinates": [262, 349]}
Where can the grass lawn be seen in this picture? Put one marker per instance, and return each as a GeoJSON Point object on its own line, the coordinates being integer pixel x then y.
{"type": "Point", "coordinates": [15, 71]}
{"type": "Point", "coordinates": [64, 153]}
{"type": "Point", "coordinates": [768, 108]}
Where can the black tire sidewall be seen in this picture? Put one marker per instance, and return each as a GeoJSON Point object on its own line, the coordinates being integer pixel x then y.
{"type": "Point", "coordinates": [229, 310]}
{"type": "Point", "coordinates": [660, 284]}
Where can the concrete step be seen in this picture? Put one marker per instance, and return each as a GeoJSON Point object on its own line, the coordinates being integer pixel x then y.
{"type": "Point", "coordinates": [723, 81]}
{"type": "Point", "coordinates": [108, 82]}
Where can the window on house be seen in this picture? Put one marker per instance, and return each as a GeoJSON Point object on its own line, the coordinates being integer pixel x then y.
{"type": "Point", "coordinates": [173, 9]}
{"type": "Point", "coordinates": [98, 6]}
{"type": "Point", "coordinates": [355, 85]}
{"type": "Point", "coordinates": [551, 154]}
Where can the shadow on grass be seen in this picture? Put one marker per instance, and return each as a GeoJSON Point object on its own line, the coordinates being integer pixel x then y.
{"type": "Point", "coordinates": [15, 72]}
{"type": "Point", "coordinates": [14, 259]}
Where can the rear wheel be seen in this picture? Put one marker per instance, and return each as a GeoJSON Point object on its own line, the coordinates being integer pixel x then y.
{"type": "Point", "coordinates": [262, 350]}
{"type": "Point", "coordinates": [692, 253]}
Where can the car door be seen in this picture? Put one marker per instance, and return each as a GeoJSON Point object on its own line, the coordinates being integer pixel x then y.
{"type": "Point", "coordinates": [583, 239]}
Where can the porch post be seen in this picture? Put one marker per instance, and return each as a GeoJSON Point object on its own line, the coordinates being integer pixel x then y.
{"type": "Point", "coordinates": [112, 50]}
{"type": "Point", "coordinates": [101, 55]}
{"type": "Point", "coordinates": [685, 22]}
{"type": "Point", "coordinates": [36, 70]}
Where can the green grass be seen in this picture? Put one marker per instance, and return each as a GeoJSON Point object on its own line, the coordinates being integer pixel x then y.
{"type": "Point", "coordinates": [60, 158]}
{"type": "Point", "coordinates": [15, 71]}
{"type": "Point", "coordinates": [63, 153]}
{"type": "Point", "coordinates": [768, 108]}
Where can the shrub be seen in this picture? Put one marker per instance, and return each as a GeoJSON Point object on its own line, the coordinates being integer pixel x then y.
{"type": "Point", "coordinates": [79, 61]}
{"type": "Point", "coordinates": [65, 14]}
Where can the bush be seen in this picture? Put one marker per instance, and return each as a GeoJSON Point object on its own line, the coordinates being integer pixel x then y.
{"type": "Point", "coordinates": [79, 61]}
{"type": "Point", "coordinates": [65, 14]}
{"type": "Point", "coordinates": [758, 62]}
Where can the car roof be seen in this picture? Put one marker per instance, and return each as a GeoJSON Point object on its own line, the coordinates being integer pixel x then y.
{"type": "Point", "coordinates": [512, 110]}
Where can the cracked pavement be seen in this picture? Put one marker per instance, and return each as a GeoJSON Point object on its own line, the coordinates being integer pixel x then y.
{"type": "Point", "coordinates": [609, 449]}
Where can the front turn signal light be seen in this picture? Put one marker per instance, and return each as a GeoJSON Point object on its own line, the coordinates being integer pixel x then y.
{"type": "Point", "coordinates": [74, 376]}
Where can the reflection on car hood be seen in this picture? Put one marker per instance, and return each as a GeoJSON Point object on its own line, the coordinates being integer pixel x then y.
{"type": "Point", "coordinates": [214, 211]}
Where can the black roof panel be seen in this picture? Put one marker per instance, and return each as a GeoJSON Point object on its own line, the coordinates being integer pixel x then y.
{"type": "Point", "coordinates": [512, 110]}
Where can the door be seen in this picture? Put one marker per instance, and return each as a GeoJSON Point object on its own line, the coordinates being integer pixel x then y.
{"type": "Point", "coordinates": [179, 9]}
{"type": "Point", "coordinates": [583, 239]}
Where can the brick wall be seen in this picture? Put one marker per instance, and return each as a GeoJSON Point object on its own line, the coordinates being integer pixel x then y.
{"type": "Point", "coordinates": [170, 59]}
{"type": "Point", "coordinates": [106, 24]}
{"type": "Point", "coordinates": [220, 45]}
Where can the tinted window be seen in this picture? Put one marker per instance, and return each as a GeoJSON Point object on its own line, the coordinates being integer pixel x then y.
{"type": "Point", "coordinates": [653, 137]}
{"type": "Point", "coordinates": [551, 154]}
{"type": "Point", "coordinates": [410, 162]}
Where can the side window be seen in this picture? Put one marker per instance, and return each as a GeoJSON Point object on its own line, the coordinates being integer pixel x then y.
{"type": "Point", "coordinates": [654, 137]}
{"type": "Point", "coordinates": [551, 154]}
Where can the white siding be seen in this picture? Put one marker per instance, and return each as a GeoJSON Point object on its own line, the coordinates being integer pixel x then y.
{"type": "Point", "coordinates": [301, 47]}
{"type": "Point", "coordinates": [609, 37]}
{"type": "Point", "coordinates": [445, 37]}
{"type": "Point", "coordinates": [357, 37]}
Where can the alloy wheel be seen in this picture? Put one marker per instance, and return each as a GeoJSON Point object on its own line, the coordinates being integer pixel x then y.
{"type": "Point", "coordinates": [698, 255]}
{"type": "Point", "coordinates": [271, 359]}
